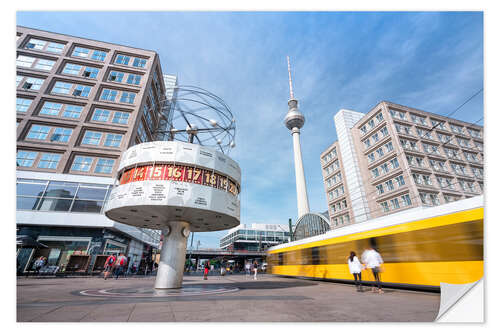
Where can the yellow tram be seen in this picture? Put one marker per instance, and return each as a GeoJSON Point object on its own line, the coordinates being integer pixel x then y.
{"type": "Point", "coordinates": [421, 248]}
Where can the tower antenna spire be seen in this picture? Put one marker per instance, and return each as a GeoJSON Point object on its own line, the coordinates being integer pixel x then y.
{"type": "Point", "coordinates": [289, 77]}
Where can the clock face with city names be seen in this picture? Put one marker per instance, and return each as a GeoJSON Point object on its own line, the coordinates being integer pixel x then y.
{"type": "Point", "coordinates": [181, 173]}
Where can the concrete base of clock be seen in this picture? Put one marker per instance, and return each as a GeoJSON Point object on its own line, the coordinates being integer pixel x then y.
{"type": "Point", "coordinates": [173, 255]}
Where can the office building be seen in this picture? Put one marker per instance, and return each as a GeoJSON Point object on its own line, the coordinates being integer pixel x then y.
{"type": "Point", "coordinates": [80, 104]}
{"type": "Point", "coordinates": [396, 157]}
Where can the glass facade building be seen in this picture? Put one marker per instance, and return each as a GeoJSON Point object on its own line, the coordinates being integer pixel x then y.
{"type": "Point", "coordinates": [255, 237]}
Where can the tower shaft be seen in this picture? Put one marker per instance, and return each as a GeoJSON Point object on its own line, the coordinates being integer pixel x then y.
{"type": "Point", "coordinates": [300, 179]}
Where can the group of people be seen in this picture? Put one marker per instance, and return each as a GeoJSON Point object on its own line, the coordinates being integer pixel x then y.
{"type": "Point", "coordinates": [115, 265]}
{"type": "Point", "coordinates": [249, 267]}
{"type": "Point", "coordinates": [370, 259]}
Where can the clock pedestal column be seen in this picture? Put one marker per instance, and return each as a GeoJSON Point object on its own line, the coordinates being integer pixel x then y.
{"type": "Point", "coordinates": [173, 255]}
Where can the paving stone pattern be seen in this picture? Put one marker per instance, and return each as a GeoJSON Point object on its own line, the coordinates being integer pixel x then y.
{"type": "Point", "coordinates": [268, 299]}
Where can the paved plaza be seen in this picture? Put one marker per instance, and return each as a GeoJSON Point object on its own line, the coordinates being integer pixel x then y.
{"type": "Point", "coordinates": [232, 298]}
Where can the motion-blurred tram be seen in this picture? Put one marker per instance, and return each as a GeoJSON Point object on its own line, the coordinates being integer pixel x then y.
{"type": "Point", "coordinates": [421, 248]}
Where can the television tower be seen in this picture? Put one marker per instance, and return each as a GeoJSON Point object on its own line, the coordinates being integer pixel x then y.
{"type": "Point", "coordinates": [294, 120]}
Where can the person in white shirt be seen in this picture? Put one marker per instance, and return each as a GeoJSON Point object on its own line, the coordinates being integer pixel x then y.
{"type": "Point", "coordinates": [373, 260]}
{"type": "Point", "coordinates": [355, 269]}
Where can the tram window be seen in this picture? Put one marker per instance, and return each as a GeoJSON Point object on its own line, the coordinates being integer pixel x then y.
{"type": "Point", "coordinates": [305, 257]}
{"type": "Point", "coordinates": [280, 258]}
{"type": "Point", "coordinates": [315, 256]}
{"type": "Point", "coordinates": [292, 258]}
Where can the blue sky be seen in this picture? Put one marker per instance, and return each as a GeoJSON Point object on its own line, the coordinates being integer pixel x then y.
{"type": "Point", "coordinates": [431, 61]}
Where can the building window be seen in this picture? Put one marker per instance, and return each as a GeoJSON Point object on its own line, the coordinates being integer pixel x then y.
{"type": "Point", "coordinates": [384, 167]}
{"type": "Point", "coordinates": [32, 83]}
{"type": "Point", "coordinates": [38, 132]}
{"type": "Point", "coordinates": [384, 131]}
{"type": "Point", "coordinates": [380, 189]}
{"type": "Point", "coordinates": [104, 165]}
{"type": "Point", "coordinates": [389, 185]}
{"type": "Point", "coordinates": [427, 180]}
{"type": "Point", "coordinates": [108, 95]}
{"type": "Point", "coordinates": [24, 61]}
{"type": "Point", "coordinates": [81, 91]}
{"type": "Point", "coordinates": [141, 133]}
{"type": "Point", "coordinates": [400, 180]}
{"type": "Point", "coordinates": [134, 79]}
{"type": "Point", "coordinates": [434, 199]}
{"type": "Point", "coordinates": [474, 133]}
{"type": "Point", "coordinates": [49, 161]}
{"type": "Point", "coordinates": [389, 147]}
{"type": "Point", "coordinates": [61, 88]}
{"type": "Point", "coordinates": [101, 115]}
{"type": "Point", "coordinates": [457, 129]}
{"type": "Point", "coordinates": [452, 153]}
{"type": "Point", "coordinates": [81, 52]}
{"type": "Point", "coordinates": [379, 117]}
{"type": "Point", "coordinates": [99, 55]}
{"type": "Point", "coordinates": [371, 157]}
{"type": "Point", "coordinates": [51, 109]}
{"type": "Point", "coordinates": [72, 111]}
{"type": "Point", "coordinates": [55, 47]}
{"type": "Point", "coordinates": [61, 134]}
{"type": "Point", "coordinates": [91, 72]}
{"type": "Point", "coordinates": [127, 97]}
{"type": "Point", "coordinates": [36, 44]}
{"type": "Point", "coordinates": [82, 163]}
{"type": "Point", "coordinates": [438, 123]}
{"type": "Point", "coordinates": [22, 104]}
{"type": "Point", "coordinates": [380, 152]}
{"type": "Point", "coordinates": [25, 158]}
{"type": "Point", "coordinates": [385, 206]}
{"type": "Point", "coordinates": [44, 64]}
{"type": "Point", "coordinates": [92, 138]}
{"type": "Point", "coordinates": [122, 59]}
{"type": "Point", "coordinates": [417, 178]}
{"type": "Point", "coordinates": [113, 140]}
{"type": "Point", "coordinates": [406, 200]}
{"type": "Point", "coordinates": [120, 117]}
{"type": "Point", "coordinates": [375, 172]}
{"type": "Point", "coordinates": [394, 203]}
{"type": "Point", "coordinates": [138, 62]}
{"type": "Point", "coordinates": [367, 143]}
{"type": "Point", "coordinates": [115, 76]}
{"type": "Point", "coordinates": [443, 137]}
{"type": "Point", "coordinates": [477, 172]}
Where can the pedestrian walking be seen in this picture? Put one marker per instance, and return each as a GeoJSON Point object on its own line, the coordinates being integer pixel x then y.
{"type": "Point", "coordinates": [255, 268]}
{"type": "Point", "coordinates": [373, 260]}
{"type": "Point", "coordinates": [247, 269]}
{"type": "Point", "coordinates": [121, 263]}
{"type": "Point", "coordinates": [38, 264]}
{"type": "Point", "coordinates": [355, 269]}
{"type": "Point", "coordinates": [205, 271]}
{"type": "Point", "coordinates": [108, 265]}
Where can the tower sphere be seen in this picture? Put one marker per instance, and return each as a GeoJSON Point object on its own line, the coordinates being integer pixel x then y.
{"type": "Point", "coordinates": [293, 117]}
